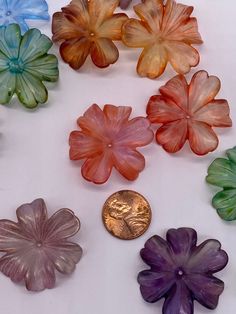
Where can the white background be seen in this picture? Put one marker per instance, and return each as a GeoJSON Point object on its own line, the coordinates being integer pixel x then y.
{"type": "Point", "coordinates": [34, 163]}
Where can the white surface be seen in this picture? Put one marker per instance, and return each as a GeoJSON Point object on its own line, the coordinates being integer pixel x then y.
{"type": "Point", "coordinates": [34, 163]}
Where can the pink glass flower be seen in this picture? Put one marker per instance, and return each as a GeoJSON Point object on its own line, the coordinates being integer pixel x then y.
{"type": "Point", "coordinates": [36, 245]}
{"type": "Point", "coordinates": [188, 112]}
{"type": "Point", "coordinates": [109, 139]}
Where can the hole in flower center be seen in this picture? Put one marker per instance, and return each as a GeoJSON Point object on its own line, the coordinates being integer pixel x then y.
{"type": "Point", "coordinates": [8, 13]}
{"type": "Point", "coordinates": [109, 145]}
{"type": "Point", "coordinates": [16, 66]}
{"type": "Point", "coordinates": [92, 34]}
{"type": "Point", "coordinates": [188, 116]}
{"type": "Point", "coordinates": [39, 244]}
{"type": "Point", "coordinates": [179, 273]}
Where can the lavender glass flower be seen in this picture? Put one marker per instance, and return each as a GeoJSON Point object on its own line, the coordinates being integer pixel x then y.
{"type": "Point", "coordinates": [181, 271]}
{"type": "Point", "coordinates": [36, 246]}
{"type": "Point", "coordinates": [124, 4]}
{"type": "Point", "coordinates": [17, 11]}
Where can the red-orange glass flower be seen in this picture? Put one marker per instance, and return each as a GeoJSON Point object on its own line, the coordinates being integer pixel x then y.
{"type": "Point", "coordinates": [109, 139]}
{"type": "Point", "coordinates": [166, 32]}
{"type": "Point", "coordinates": [88, 27]}
{"type": "Point", "coordinates": [188, 112]}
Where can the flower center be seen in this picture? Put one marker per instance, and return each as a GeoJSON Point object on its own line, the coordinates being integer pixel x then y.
{"type": "Point", "coordinates": [109, 145]}
{"type": "Point", "coordinates": [16, 66]}
{"type": "Point", "coordinates": [8, 13]}
{"type": "Point", "coordinates": [179, 273]}
{"type": "Point", "coordinates": [39, 244]}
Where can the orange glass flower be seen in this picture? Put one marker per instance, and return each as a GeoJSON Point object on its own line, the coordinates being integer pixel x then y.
{"type": "Point", "coordinates": [188, 112]}
{"type": "Point", "coordinates": [109, 139]}
{"type": "Point", "coordinates": [88, 27]}
{"type": "Point", "coordinates": [166, 32]}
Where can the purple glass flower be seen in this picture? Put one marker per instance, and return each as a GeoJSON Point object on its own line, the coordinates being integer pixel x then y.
{"type": "Point", "coordinates": [181, 271]}
{"type": "Point", "coordinates": [37, 245]}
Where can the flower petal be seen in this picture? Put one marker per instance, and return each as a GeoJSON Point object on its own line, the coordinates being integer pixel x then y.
{"type": "Point", "coordinates": [65, 256]}
{"type": "Point", "coordinates": [205, 289]}
{"type": "Point", "coordinates": [61, 225]}
{"type": "Point", "coordinates": [202, 90]}
{"type": "Point", "coordinates": [176, 89]}
{"type": "Point", "coordinates": [44, 68]}
{"type": "Point", "coordinates": [136, 133]}
{"type": "Point", "coordinates": [64, 26]}
{"type": "Point", "coordinates": [225, 203]}
{"type": "Point", "coordinates": [207, 258]}
{"type": "Point", "coordinates": [34, 45]}
{"type": "Point", "coordinates": [154, 285]}
{"type": "Point", "coordinates": [151, 11]}
{"type": "Point", "coordinates": [7, 86]}
{"type": "Point", "coordinates": [100, 10]}
{"type": "Point", "coordinates": [179, 300]}
{"type": "Point", "coordinates": [13, 265]}
{"type": "Point", "coordinates": [156, 253]}
{"type": "Point", "coordinates": [231, 154]}
{"type": "Point", "coordinates": [75, 52]}
{"type": "Point", "coordinates": [202, 138]}
{"type": "Point", "coordinates": [98, 169]}
{"type": "Point", "coordinates": [152, 61]}
{"type": "Point", "coordinates": [176, 14]}
{"type": "Point", "coordinates": [163, 110]}
{"type": "Point", "coordinates": [128, 162]}
{"type": "Point", "coordinates": [182, 56]}
{"type": "Point", "coordinates": [222, 173]}
{"type": "Point", "coordinates": [182, 241]}
{"type": "Point", "coordinates": [10, 38]}
{"type": "Point", "coordinates": [84, 146]}
{"type": "Point", "coordinates": [111, 28]}
{"type": "Point", "coordinates": [135, 34]}
{"type": "Point", "coordinates": [104, 52]}
{"type": "Point", "coordinates": [32, 217]}
{"type": "Point", "coordinates": [186, 32]}
{"type": "Point", "coordinates": [173, 135]}
{"type": "Point", "coordinates": [215, 113]}
{"type": "Point", "coordinates": [30, 90]}
{"type": "Point", "coordinates": [11, 237]}
{"type": "Point", "coordinates": [34, 10]}
{"type": "Point", "coordinates": [92, 122]}
{"type": "Point", "coordinates": [3, 62]}
{"type": "Point", "coordinates": [116, 117]}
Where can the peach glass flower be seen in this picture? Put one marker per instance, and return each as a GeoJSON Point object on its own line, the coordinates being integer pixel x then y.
{"type": "Point", "coordinates": [188, 112]}
{"type": "Point", "coordinates": [88, 27]}
{"type": "Point", "coordinates": [166, 32]}
{"type": "Point", "coordinates": [109, 139]}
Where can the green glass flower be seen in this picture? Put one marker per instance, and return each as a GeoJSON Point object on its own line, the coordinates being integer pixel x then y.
{"type": "Point", "coordinates": [222, 173]}
{"type": "Point", "coordinates": [24, 64]}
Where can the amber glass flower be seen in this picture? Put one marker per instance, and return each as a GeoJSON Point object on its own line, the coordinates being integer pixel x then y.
{"type": "Point", "coordinates": [109, 139]}
{"type": "Point", "coordinates": [188, 112]}
{"type": "Point", "coordinates": [36, 245]}
{"type": "Point", "coordinates": [88, 27]}
{"type": "Point", "coordinates": [166, 32]}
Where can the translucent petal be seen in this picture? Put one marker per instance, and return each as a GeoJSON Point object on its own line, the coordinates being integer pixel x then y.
{"type": "Point", "coordinates": [75, 51]}
{"type": "Point", "coordinates": [116, 117]}
{"type": "Point", "coordinates": [152, 61]}
{"type": "Point", "coordinates": [11, 236]}
{"type": "Point", "coordinates": [215, 113]}
{"type": "Point", "coordinates": [155, 285]}
{"type": "Point", "coordinates": [100, 10]}
{"type": "Point", "coordinates": [172, 135]}
{"type": "Point", "coordinates": [33, 10]}
{"type": "Point", "coordinates": [202, 138]}
{"type": "Point", "coordinates": [44, 68]}
{"type": "Point", "coordinates": [225, 204]}
{"type": "Point", "coordinates": [135, 34]}
{"type": "Point", "coordinates": [104, 52]}
{"type": "Point", "coordinates": [222, 173]}
{"type": "Point", "coordinates": [30, 90]}
{"type": "Point", "coordinates": [10, 38]}
{"type": "Point", "coordinates": [34, 45]}
{"type": "Point", "coordinates": [7, 86]}
{"type": "Point", "coordinates": [111, 28]}
{"type": "Point", "coordinates": [202, 90]}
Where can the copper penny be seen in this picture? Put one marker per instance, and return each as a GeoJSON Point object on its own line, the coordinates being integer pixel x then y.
{"type": "Point", "coordinates": [126, 214]}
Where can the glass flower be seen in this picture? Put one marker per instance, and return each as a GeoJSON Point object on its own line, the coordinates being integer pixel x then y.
{"type": "Point", "coordinates": [36, 245]}
{"type": "Point", "coordinates": [188, 112]}
{"type": "Point", "coordinates": [181, 272]}
{"type": "Point", "coordinates": [166, 32]}
{"type": "Point", "coordinates": [222, 173]}
{"type": "Point", "coordinates": [24, 64]}
{"type": "Point", "coordinates": [17, 11]}
{"type": "Point", "coordinates": [109, 139]}
{"type": "Point", "coordinates": [124, 4]}
{"type": "Point", "coordinates": [88, 27]}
